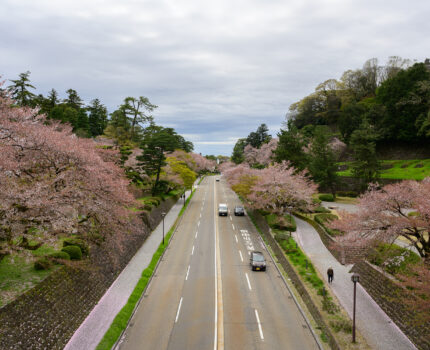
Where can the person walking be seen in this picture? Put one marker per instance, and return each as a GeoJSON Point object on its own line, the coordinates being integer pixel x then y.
{"type": "Point", "coordinates": [330, 274]}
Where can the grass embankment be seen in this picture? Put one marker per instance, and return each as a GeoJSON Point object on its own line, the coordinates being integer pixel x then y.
{"type": "Point", "coordinates": [412, 169]}
{"type": "Point", "coordinates": [121, 320]}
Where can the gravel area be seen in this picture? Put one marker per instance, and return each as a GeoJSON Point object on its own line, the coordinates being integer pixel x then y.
{"type": "Point", "coordinates": [378, 329]}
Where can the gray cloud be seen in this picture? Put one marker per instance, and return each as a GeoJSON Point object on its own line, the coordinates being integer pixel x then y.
{"type": "Point", "coordinates": [215, 69]}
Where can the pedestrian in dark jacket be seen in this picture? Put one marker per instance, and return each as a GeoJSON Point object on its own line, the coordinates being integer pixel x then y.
{"type": "Point", "coordinates": [330, 274]}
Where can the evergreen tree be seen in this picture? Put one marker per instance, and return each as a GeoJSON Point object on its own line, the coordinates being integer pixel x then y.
{"type": "Point", "coordinates": [157, 142]}
{"type": "Point", "coordinates": [259, 137]}
{"type": "Point", "coordinates": [20, 90]}
{"type": "Point", "coordinates": [135, 109]}
{"type": "Point", "coordinates": [322, 164]}
{"type": "Point", "coordinates": [237, 156]}
{"type": "Point", "coordinates": [97, 118]}
{"type": "Point", "coordinates": [291, 147]}
{"type": "Point", "coordinates": [73, 99]}
{"type": "Point", "coordinates": [366, 165]}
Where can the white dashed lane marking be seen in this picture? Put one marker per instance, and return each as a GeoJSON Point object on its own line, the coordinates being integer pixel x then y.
{"type": "Point", "coordinates": [249, 283]}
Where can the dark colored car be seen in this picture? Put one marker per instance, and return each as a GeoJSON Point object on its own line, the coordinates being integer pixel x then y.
{"type": "Point", "coordinates": [239, 211]}
{"type": "Point", "coordinates": [257, 261]}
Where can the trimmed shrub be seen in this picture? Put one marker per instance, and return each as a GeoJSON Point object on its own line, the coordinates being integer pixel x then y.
{"type": "Point", "coordinates": [59, 255]}
{"type": "Point", "coordinates": [42, 264]}
{"type": "Point", "coordinates": [321, 209]}
{"type": "Point", "coordinates": [74, 251]}
{"type": "Point", "coordinates": [327, 197]}
{"type": "Point", "coordinates": [79, 242]}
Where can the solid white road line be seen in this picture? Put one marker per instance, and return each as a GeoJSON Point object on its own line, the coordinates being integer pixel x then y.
{"type": "Point", "coordinates": [179, 309]}
{"type": "Point", "coordinates": [192, 252]}
{"type": "Point", "coordinates": [241, 257]}
{"type": "Point", "coordinates": [259, 325]}
{"type": "Point", "coordinates": [188, 271]}
{"type": "Point", "coordinates": [236, 239]}
{"type": "Point", "coordinates": [249, 283]}
{"type": "Point", "coordinates": [233, 226]}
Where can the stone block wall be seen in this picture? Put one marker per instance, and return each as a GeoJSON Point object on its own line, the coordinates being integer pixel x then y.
{"type": "Point", "coordinates": [46, 316]}
{"type": "Point", "coordinates": [389, 296]}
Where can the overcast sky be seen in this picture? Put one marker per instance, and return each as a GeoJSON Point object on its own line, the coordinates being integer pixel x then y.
{"type": "Point", "coordinates": [216, 69]}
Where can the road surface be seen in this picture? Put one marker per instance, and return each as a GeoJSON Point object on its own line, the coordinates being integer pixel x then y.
{"type": "Point", "coordinates": [204, 294]}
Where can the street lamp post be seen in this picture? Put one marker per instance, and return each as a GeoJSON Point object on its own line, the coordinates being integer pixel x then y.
{"type": "Point", "coordinates": [354, 278]}
{"type": "Point", "coordinates": [163, 214]}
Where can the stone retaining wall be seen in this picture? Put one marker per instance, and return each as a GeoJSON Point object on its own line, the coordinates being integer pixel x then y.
{"type": "Point", "coordinates": [389, 296]}
{"type": "Point", "coordinates": [46, 316]}
{"type": "Point", "coordinates": [298, 284]}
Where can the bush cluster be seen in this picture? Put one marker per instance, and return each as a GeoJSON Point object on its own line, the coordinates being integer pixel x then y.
{"type": "Point", "coordinates": [79, 242]}
{"type": "Point", "coordinates": [321, 209]}
{"type": "Point", "coordinates": [42, 264]}
{"type": "Point", "coordinates": [74, 252]}
{"type": "Point", "coordinates": [327, 197]}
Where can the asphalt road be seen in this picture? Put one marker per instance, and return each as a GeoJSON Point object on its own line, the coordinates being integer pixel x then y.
{"type": "Point", "coordinates": [204, 294]}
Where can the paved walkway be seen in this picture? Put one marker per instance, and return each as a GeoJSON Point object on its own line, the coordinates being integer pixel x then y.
{"type": "Point", "coordinates": [378, 329]}
{"type": "Point", "coordinates": [92, 330]}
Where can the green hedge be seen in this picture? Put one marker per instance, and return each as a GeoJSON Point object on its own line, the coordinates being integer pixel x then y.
{"type": "Point", "coordinates": [326, 197]}
{"type": "Point", "coordinates": [79, 242]}
{"type": "Point", "coordinates": [74, 251]}
{"type": "Point", "coordinates": [351, 194]}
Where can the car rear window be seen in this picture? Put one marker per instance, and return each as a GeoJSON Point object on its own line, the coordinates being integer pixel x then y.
{"type": "Point", "coordinates": [258, 257]}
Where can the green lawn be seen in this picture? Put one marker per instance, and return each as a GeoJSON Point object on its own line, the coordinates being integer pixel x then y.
{"type": "Point", "coordinates": [412, 169]}
{"type": "Point", "coordinates": [17, 274]}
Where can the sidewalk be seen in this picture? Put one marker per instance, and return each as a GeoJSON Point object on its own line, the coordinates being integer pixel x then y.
{"type": "Point", "coordinates": [92, 330]}
{"type": "Point", "coordinates": [378, 329]}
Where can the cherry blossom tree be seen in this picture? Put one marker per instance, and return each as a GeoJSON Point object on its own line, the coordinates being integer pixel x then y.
{"type": "Point", "coordinates": [60, 183]}
{"type": "Point", "coordinates": [260, 156]}
{"type": "Point", "coordinates": [385, 214]}
{"type": "Point", "coordinates": [279, 189]}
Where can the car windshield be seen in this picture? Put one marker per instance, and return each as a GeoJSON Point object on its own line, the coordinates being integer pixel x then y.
{"type": "Point", "coordinates": [258, 257]}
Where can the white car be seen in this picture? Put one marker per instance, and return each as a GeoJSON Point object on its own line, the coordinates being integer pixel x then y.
{"type": "Point", "coordinates": [222, 209]}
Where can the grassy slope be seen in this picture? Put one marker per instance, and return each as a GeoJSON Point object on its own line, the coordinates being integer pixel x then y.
{"type": "Point", "coordinates": [401, 169]}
